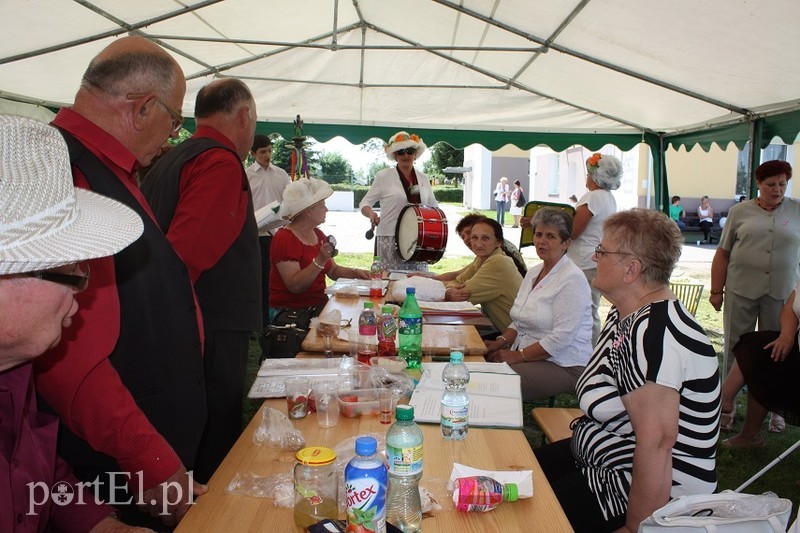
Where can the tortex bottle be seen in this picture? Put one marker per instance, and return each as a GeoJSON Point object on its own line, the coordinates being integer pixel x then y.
{"type": "Point", "coordinates": [482, 494]}
{"type": "Point", "coordinates": [387, 333]}
{"type": "Point", "coordinates": [410, 330]}
{"type": "Point", "coordinates": [404, 454]}
{"type": "Point", "coordinates": [365, 481]}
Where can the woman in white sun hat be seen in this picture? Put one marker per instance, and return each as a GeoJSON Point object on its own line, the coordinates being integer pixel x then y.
{"type": "Point", "coordinates": [47, 230]}
{"type": "Point", "coordinates": [301, 254]}
{"type": "Point", "coordinates": [396, 188]}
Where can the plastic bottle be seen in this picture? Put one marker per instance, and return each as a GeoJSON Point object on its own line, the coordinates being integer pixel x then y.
{"type": "Point", "coordinates": [387, 332]}
{"type": "Point", "coordinates": [410, 330]}
{"type": "Point", "coordinates": [404, 454]}
{"type": "Point", "coordinates": [482, 494]}
{"type": "Point", "coordinates": [368, 323]}
{"type": "Point", "coordinates": [455, 399]}
{"type": "Point", "coordinates": [376, 279]}
{"type": "Point", "coordinates": [365, 481]}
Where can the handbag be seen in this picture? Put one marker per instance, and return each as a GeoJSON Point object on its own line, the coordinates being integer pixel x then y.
{"type": "Point", "coordinates": [283, 337]}
{"type": "Point", "coordinates": [726, 512]}
{"type": "Point", "coordinates": [521, 200]}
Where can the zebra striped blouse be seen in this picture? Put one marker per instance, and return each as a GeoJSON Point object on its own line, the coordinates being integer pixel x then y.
{"type": "Point", "coordinates": [664, 344]}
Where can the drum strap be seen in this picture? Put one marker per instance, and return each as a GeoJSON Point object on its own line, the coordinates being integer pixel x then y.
{"type": "Point", "coordinates": [412, 191]}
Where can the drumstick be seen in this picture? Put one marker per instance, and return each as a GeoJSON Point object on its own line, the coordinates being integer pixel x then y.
{"type": "Point", "coordinates": [370, 232]}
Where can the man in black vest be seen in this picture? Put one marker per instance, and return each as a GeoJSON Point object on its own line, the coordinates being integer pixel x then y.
{"type": "Point", "coordinates": [127, 379]}
{"type": "Point", "coordinates": [200, 196]}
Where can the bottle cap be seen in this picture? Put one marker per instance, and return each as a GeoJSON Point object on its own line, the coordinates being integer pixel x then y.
{"type": "Point", "coordinates": [404, 412]}
{"type": "Point", "coordinates": [411, 290]}
{"type": "Point", "coordinates": [387, 309]}
{"type": "Point", "coordinates": [456, 357]}
{"type": "Point", "coordinates": [377, 258]}
{"type": "Point", "coordinates": [366, 446]}
{"type": "Point", "coordinates": [316, 456]}
{"type": "Point", "coordinates": [510, 492]}
{"type": "Point", "coordinates": [368, 305]}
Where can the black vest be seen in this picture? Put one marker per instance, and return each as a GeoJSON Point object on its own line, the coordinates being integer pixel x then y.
{"type": "Point", "coordinates": [230, 291]}
{"type": "Point", "coordinates": [158, 355]}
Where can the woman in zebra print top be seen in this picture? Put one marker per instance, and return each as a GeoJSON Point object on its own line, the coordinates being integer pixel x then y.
{"type": "Point", "coordinates": [650, 393]}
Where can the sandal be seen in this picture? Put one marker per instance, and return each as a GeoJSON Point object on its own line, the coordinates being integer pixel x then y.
{"type": "Point", "coordinates": [738, 443]}
{"type": "Point", "coordinates": [726, 419]}
{"type": "Point", "coordinates": [776, 423]}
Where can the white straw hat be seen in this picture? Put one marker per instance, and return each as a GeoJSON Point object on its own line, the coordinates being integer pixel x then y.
{"type": "Point", "coordinates": [45, 222]}
{"type": "Point", "coordinates": [301, 194]}
{"type": "Point", "coordinates": [401, 140]}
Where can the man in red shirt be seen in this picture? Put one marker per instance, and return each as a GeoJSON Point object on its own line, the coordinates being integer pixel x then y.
{"type": "Point", "coordinates": [200, 196]}
{"type": "Point", "coordinates": [47, 230]}
{"type": "Point", "coordinates": [127, 379]}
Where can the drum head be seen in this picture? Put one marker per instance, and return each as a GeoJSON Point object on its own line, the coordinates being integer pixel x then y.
{"type": "Point", "coordinates": [407, 233]}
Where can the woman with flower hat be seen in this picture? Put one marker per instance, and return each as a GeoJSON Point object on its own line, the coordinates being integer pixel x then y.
{"type": "Point", "coordinates": [603, 174]}
{"type": "Point", "coordinates": [396, 188]}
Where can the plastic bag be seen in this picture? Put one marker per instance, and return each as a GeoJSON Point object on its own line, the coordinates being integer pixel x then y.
{"type": "Point", "coordinates": [428, 290]}
{"type": "Point", "coordinates": [278, 487]}
{"type": "Point", "coordinates": [278, 431]}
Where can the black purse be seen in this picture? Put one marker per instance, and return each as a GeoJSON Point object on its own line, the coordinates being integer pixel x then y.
{"type": "Point", "coordinates": [283, 337]}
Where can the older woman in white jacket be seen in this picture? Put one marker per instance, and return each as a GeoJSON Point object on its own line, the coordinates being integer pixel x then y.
{"type": "Point", "coordinates": [549, 340]}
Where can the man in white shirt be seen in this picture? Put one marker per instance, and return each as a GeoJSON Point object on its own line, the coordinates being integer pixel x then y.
{"type": "Point", "coordinates": [267, 183]}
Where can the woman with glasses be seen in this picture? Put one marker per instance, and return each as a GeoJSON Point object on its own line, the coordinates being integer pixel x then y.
{"type": "Point", "coordinates": [603, 175]}
{"type": "Point", "coordinates": [301, 253]}
{"type": "Point", "coordinates": [396, 188]}
{"type": "Point", "coordinates": [650, 393]}
{"type": "Point", "coordinates": [549, 339]}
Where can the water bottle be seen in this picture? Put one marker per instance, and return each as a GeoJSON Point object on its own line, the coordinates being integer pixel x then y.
{"type": "Point", "coordinates": [482, 494]}
{"type": "Point", "coordinates": [365, 481]}
{"type": "Point", "coordinates": [455, 399]}
{"type": "Point", "coordinates": [387, 332]}
{"type": "Point", "coordinates": [411, 330]}
{"type": "Point", "coordinates": [376, 279]}
{"type": "Point", "coordinates": [404, 454]}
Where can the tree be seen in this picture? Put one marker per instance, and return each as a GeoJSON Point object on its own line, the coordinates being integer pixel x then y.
{"type": "Point", "coordinates": [335, 168]}
{"type": "Point", "coordinates": [442, 155]}
{"type": "Point", "coordinates": [374, 168]}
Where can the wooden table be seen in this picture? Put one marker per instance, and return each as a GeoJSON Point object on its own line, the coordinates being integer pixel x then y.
{"type": "Point", "coordinates": [435, 337]}
{"type": "Point", "coordinates": [490, 449]}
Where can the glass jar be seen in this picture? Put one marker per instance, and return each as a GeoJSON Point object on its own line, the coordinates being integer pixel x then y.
{"type": "Point", "coordinates": [315, 486]}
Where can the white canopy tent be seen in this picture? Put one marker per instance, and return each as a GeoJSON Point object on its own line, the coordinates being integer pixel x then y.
{"type": "Point", "coordinates": [526, 72]}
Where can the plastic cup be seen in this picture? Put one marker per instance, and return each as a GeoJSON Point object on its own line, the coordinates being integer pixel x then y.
{"type": "Point", "coordinates": [327, 404]}
{"type": "Point", "coordinates": [458, 342]}
{"type": "Point", "coordinates": [327, 346]}
{"type": "Point", "coordinates": [385, 402]}
{"type": "Point", "coordinates": [353, 339]}
{"type": "Point", "coordinates": [297, 391]}
{"type": "Point", "coordinates": [360, 377]}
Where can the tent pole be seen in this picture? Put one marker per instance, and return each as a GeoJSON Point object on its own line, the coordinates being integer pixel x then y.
{"type": "Point", "coordinates": [754, 157]}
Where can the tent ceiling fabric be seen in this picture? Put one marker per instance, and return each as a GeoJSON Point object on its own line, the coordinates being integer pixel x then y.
{"type": "Point", "coordinates": [460, 70]}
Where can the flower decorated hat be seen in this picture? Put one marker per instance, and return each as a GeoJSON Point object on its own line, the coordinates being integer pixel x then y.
{"type": "Point", "coordinates": [605, 170]}
{"type": "Point", "coordinates": [402, 140]}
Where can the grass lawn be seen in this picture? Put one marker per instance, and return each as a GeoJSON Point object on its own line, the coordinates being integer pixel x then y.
{"type": "Point", "coordinates": [733, 467]}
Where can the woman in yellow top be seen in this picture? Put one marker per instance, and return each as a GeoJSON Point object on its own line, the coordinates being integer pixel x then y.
{"type": "Point", "coordinates": [492, 280]}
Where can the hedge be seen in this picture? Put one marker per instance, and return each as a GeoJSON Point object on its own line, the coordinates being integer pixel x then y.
{"type": "Point", "coordinates": [442, 193]}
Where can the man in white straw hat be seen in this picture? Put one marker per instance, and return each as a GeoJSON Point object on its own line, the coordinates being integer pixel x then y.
{"type": "Point", "coordinates": [200, 196]}
{"type": "Point", "coordinates": [127, 382]}
{"type": "Point", "coordinates": [48, 229]}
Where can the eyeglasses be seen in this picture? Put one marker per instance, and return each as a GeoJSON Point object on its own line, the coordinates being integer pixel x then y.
{"type": "Point", "coordinates": [65, 275]}
{"type": "Point", "coordinates": [332, 241]}
{"type": "Point", "coordinates": [599, 252]}
{"type": "Point", "coordinates": [407, 151]}
{"type": "Point", "coordinates": [177, 118]}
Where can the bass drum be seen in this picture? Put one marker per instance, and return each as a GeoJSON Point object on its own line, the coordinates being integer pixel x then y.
{"type": "Point", "coordinates": [421, 233]}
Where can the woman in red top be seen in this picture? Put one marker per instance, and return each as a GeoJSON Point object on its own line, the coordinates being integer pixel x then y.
{"type": "Point", "coordinates": [300, 252]}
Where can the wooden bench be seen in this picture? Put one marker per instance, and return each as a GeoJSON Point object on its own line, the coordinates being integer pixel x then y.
{"type": "Point", "coordinates": [555, 421]}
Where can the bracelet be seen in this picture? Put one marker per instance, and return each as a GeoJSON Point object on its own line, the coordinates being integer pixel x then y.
{"type": "Point", "coordinates": [522, 355]}
{"type": "Point", "coordinates": [506, 344]}
{"type": "Point", "coordinates": [321, 267]}
{"type": "Point", "coordinates": [721, 291]}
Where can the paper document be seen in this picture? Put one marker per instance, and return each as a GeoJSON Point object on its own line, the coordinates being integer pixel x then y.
{"type": "Point", "coordinates": [273, 372]}
{"type": "Point", "coordinates": [362, 285]}
{"type": "Point", "coordinates": [456, 307]}
{"type": "Point", "coordinates": [494, 392]}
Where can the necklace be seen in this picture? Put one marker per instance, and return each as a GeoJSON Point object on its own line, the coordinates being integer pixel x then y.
{"type": "Point", "coordinates": [770, 207]}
